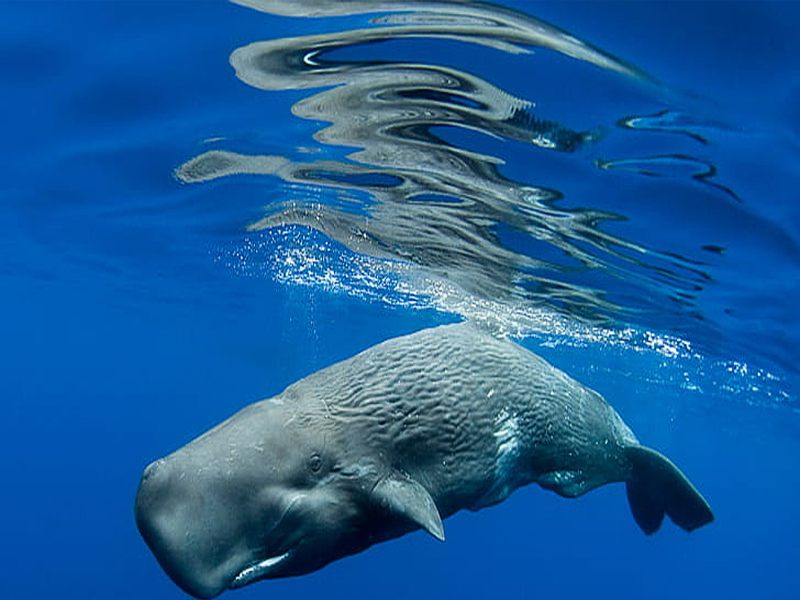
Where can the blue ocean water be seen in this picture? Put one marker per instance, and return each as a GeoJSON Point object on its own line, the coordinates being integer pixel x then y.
{"type": "Point", "coordinates": [193, 220]}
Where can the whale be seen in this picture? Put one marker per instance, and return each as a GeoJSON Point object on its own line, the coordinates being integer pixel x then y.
{"type": "Point", "coordinates": [392, 440]}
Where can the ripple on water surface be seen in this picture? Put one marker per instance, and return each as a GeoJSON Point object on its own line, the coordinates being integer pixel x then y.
{"type": "Point", "coordinates": [622, 222]}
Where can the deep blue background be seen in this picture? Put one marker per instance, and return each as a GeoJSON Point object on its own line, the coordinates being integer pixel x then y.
{"type": "Point", "coordinates": [123, 338]}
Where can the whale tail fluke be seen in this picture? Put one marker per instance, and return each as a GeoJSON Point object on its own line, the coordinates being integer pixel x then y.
{"type": "Point", "coordinates": [657, 487]}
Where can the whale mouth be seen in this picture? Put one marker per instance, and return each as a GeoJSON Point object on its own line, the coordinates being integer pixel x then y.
{"type": "Point", "coordinates": [258, 570]}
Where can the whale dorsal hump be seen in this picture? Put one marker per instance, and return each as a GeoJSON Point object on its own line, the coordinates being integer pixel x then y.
{"type": "Point", "coordinates": [658, 487]}
{"type": "Point", "coordinates": [407, 498]}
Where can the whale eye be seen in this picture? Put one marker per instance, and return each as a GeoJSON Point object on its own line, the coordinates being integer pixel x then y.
{"type": "Point", "coordinates": [315, 463]}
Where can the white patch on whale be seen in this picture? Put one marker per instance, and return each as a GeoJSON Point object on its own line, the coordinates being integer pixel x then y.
{"type": "Point", "coordinates": [255, 571]}
{"type": "Point", "coordinates": [507, 439]}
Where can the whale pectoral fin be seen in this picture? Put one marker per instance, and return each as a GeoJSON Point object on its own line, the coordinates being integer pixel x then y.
{"type": "Point", "coordinates": [406, 497]}
{"type": "Point", "coordinates": [658, 487]}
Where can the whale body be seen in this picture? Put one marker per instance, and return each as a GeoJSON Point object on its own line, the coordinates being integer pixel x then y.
{"type": "Point", "coordinates": [395, 439]}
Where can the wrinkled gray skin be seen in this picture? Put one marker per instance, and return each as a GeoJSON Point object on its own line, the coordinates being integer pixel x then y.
{"type": "Point", "coordinates": [392, 440]}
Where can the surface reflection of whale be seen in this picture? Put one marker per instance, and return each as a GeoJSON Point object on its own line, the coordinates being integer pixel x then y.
{"type": "Point", "coordinates": [429, 192]}
{"type": "Point", "coordinates": [389, 441]}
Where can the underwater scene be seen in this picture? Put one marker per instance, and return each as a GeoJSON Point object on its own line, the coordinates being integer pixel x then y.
{"type": "Point", "coordinates": [431, 299]}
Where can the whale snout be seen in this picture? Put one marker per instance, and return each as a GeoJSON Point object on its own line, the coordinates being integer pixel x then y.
{"type": "Point", "coordinates": [167, 512]}
{"type": "Point", "coordinates": [152, 476]}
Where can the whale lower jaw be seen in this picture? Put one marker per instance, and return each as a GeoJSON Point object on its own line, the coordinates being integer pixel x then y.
{"type": "Point", "coordinates": [257, 571]}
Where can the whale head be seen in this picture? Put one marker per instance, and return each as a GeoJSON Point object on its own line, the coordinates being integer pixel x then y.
{"type": "Point", "coordinates": [256, 497]}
